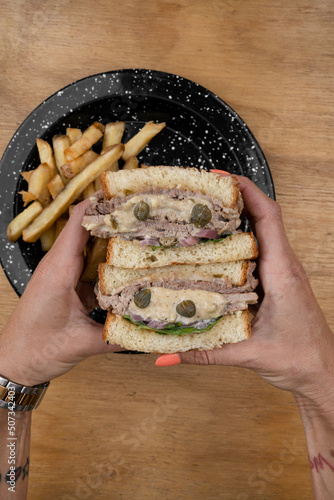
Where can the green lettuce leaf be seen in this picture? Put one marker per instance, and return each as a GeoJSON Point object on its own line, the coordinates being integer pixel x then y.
{"type": "Point", "coordinates": [173, 328]}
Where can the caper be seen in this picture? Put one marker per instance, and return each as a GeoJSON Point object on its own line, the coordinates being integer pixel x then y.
{"type": "Point", "coordinates": [168, 241]}
{"type": "Point", "coordinates": [141, 210]}
{"type": "Point", "coordinates": [127, 192]}
{"type": "Point", "coordinates": [142, 298]}
{"type": "Point", "coordinates": [113, 222]}
{"type": "Point", "coordinates": [200, 215]}
{"type": "Point", "coordinates": [186, 308]}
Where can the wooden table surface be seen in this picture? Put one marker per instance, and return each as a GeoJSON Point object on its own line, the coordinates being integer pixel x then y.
{"type": "Point", "coordinates": [116, 426]}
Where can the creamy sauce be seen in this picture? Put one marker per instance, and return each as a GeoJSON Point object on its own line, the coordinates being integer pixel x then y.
{"type": "Point", "coordinates": [159, 206]}
{"type": "Point", "coordinates": [164, 301]}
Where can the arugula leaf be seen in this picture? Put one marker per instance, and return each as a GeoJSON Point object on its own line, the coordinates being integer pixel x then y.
{"type": "Point", "coordinates": [216, 240]}
{"type": "Point", "coordinates": [173, 328]}
{"type": "Point", "coordinates": [203, 241]}
{"type": "Point", "coordinates": [160, 246]}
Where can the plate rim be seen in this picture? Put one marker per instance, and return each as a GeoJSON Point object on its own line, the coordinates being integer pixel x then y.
{"type": "Point", "coordinates": [115, 72]}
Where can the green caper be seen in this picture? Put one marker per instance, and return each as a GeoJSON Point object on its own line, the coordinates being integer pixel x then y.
{"type": "Point", "coordinates": [142, 298]}
{"type": "Point", "coordinates": [168, 241]}
{"type": "Point", "coordinates": [200, 215]}
{"type": "Point", "coordinates": [186, 308]}
{"type": "Point", "coordinates": [141, 211]}
{"type": "Point", "coordinates": [113, 222]}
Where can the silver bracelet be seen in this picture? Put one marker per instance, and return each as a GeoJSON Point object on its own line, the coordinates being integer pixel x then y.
{"type": "Point", "coordinates": [16, 397]}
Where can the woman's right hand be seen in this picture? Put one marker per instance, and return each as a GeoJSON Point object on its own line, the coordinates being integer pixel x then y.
{"type": "Point", "coordinates": [292, 346]}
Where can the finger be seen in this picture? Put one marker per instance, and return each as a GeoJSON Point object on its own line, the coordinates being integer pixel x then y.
{"type": "Point", "coordinates": [92, 342]}
{"type": "Point", "coordinates": [224, 173]}
{"type": "Point", "coordinates": [73, 238]}
{"type": "Point", "coordinates": [242, 353]}
{"type": "Point", "coordinates": [267, 219]}
{"type": "Point", "coordinates": [266, 216]}
{"type": "Point", "coordinates": [66, 254]}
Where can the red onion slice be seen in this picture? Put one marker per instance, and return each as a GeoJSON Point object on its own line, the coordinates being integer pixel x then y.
{"type": "Point", "coordinates": [148, 241]}
{"type": "Point", "coordinates": [136, 317]}
{"type": "Point", "coordinates": [207, 233]}
{"type": "Point", "coordinates": [157, 325]}
{"type": "Point", "coordinates": [187, 242]}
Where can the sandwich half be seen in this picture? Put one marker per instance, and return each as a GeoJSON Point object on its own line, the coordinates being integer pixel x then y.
{"type": "Point", "coordinates": [165, 206]}
{"type": "Point", "coordinates": [182, 304]}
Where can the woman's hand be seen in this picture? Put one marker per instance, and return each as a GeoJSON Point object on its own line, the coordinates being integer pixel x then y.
{"type": "Point", "coordinates": [291, 346]}
{"type": "Point", "coordinates": [50, 330]}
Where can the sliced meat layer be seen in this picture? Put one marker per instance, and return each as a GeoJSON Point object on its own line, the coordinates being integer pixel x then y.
{"type": "Point", "coordinates": [120, 301]}
{"type": "Point", "coordinates": [168, 217]}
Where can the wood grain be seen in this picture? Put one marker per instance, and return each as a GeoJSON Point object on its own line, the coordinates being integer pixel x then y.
{"type": "Point", "coordinates": [117, 427]}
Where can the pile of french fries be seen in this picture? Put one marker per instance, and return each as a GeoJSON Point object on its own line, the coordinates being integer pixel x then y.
{"type": "Point", "coordinates": [69, 172]}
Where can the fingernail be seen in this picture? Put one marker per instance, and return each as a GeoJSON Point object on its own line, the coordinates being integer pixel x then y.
{"type": "Point", "coordinates": [221, 172]}
{"type": "Point", "coordinates": [168, 360]}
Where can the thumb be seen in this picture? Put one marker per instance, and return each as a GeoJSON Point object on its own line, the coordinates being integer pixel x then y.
{"type": "Point", "coordinates": [243, 354]}
{"type": "Point", "coordinates": [66, 254]}
{"type": "Point", "coordinates": [91, 341]}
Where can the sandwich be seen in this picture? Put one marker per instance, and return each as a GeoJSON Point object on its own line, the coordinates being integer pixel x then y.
{"type": "Point", "coordinates": [180, 298]}
{"type": "Point", "coordinates": [178, 273]}
{"type": "Point", "coordinates": [165, 206]}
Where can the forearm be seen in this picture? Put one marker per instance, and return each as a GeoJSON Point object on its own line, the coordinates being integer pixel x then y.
{"type": "Point", "coordinates": [15, 430]}
{"type": "Point", "coordinates": [319, 432]}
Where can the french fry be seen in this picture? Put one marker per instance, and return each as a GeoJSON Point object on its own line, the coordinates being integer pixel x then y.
{"type": "Point", "coordinates": [74, 134]}
{"type": "Point", "coordinates": [21, 221]}
{"type": "Point", "coordinates": [70, 193]}
{"type": "Point", "coordinates": [141, 139]}
{"type": "Point", "coordinates": [97, 254]}
{"type": "Point", "coordinates": [89, 191]}
{"type": "Point", "coordinates": [142, 165]}
{"type": "Point", "coordinates": [90, 136]}
{"type": "Point", "coordinates": [60, 143]}
{"type": "Point", "coordinates": [48, 238]}
{"type": "Point", "coordinates": [55, 186]}
{"type": "Point", "coordinates": [98, 184]}
{"type": "Point", "coordinates": [26, 175]}
{"type": "Point", "coordinates": [113, 134]}
{"type": "Point", "coordinates": [131, 163]}
{"type": "Point", "coordinates": [59, 225]}
{"type": "Point", "coordinates": [71, 169]}
{"type": "Point", "coordinates": [27, 197]}
{"type": "Point", "coordinates": [114, 167]}
{"type": "Point", "coordinates": [46, 154]}
{"type": "Point", "coordinates": [38, 181]}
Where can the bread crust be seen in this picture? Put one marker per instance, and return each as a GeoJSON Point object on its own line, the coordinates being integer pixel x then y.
{"type": "Point", "coordinates": [112, 279]}
{"type": "Point", "coordinates": [231, 328]}
{"type": "Point", "coordinates": [244, 243]}
{"type": "Point", "coordinates": [209, 183]}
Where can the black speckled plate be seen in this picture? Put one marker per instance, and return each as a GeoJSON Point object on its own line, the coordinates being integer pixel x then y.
{"type": "Point", "coordinates": [202, 131]}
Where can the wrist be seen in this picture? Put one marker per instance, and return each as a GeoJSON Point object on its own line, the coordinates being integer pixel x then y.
{"type": "Point", "coordinates": [16, 373]}
{"type": "Point", "coordinates": [315, 397]}
{"type": "Point", "coordinates": [18, 365]}
{"type": "Point", "coordinates": [316, 410]}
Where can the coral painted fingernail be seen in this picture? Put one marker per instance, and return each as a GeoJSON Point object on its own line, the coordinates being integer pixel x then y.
{"type": "Point", "coordinates": [221, 172]}
{"type": "Point", "coordinates": [168, 360]}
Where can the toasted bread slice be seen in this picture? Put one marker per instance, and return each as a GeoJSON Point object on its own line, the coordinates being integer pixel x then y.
{"type": "Point", "coordinates": [129, 254]}
{"type": "Point", "coordinates": [125, 182]}
{"type": "Point", "coordinates": [111, 278]}
{"type": "Point", "coordinates": [230, 329]}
